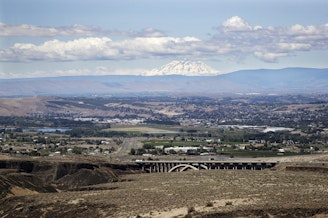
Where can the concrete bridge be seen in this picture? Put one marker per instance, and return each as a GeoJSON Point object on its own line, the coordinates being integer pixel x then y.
{"type": "Point", "coordinates": [151, 166]}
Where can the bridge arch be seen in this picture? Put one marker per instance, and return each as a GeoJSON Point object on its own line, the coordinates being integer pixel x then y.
{"type": "Point", "coordinates": [185, 167]}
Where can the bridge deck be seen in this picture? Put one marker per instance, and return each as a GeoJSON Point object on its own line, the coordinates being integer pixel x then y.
{"type": "Point", "coordinates": [182, 165]}
{"type": "Point", "coordinates": [204, 161]}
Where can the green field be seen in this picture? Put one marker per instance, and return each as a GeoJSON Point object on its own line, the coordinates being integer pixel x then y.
{"type": "Point", "coordinates": [173, 143]}
{"type": "Point", "coordinates": [142, 129]}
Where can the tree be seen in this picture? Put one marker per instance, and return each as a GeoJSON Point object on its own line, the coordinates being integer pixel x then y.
{"type": "Point", "coordinates": [140, 151]}
{"type": "Point", "coordinates": [133, 151]}
{"type": "Point", "coordinates": [77, 150]}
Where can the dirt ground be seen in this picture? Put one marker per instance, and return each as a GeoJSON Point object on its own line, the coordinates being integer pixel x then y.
{"type": "Point", "coordinates": [214, 193]}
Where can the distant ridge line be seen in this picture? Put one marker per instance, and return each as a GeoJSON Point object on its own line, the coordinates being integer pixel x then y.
{"type": "Point", "coordinates": [280, 81]}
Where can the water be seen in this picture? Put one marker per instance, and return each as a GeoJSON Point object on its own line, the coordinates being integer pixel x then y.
{"type": "Point", "coordinates": [275, 129]}
{"type": "Point", "coordinates": [47, 129]}
{"type": "Point", "coordinates": [264, 129]}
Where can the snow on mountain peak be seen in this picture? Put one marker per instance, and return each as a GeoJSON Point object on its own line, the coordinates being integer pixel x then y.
{"type": "Point", "coordinates": [186, 68]}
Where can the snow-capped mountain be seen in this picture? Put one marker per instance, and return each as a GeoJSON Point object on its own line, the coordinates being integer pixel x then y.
{"type": "Point", "coordinates": [186, 68]}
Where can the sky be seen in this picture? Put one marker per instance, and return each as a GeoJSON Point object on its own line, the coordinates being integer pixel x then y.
{"type": "Point", "coordinates": [48, 38]}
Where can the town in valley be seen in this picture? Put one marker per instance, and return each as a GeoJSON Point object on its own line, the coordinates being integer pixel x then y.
{"type": "Point", "coordinates": [251, 126]}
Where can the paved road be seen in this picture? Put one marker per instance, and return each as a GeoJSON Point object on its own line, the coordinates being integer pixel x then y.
{"type": "Point", "coordinates": [127, 144]}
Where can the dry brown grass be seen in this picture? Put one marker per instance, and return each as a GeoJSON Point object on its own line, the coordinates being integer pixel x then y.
{"type": "Point", "coordinates": [171, 194]}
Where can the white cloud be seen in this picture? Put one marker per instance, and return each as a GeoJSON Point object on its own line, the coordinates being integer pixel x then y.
{"type": "Point", "coordinates": [235, 24]}
{"type": "Point", "coordinates": [147, 32]}
{"type": "Point", "coordinates": [269, 56]}
{"type": "Point", "coordinates": [298, 29]}
{"type": "Point", "coordinates": [270, 43]}
{"type": "Point", "coordinates": [235, 38]}
{"type": "Point", "coordinates": [74, 30]}
{"type": "Point", "coordinates": [55, 50]}
{"type": "Point", "coordinates": [99, 49]}
{"type": "Point", "coordinates": [100, 71]}
{"type": "Point", "coordinates": [293, 46]}
{"type": "Point", "coordinates": [39, 31]}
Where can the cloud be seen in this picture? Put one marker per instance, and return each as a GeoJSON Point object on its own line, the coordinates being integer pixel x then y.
{"type": "Point", "coordinates": [235, 38]}
{"type": "Point", "coordinates": [100, 70]}
{"type": "Point", "coordinates": [74, 30]}
{"type": "Point", "coordinates": [55, 50]}
{"type": "Point", "coordinates": [147, 32]}
{"type": "Point", "coordinates": [94, 48]}
{"type": "Point", "coordinates": [269, 43]}
{"type": "Point", "coordinates": [235, 24]}
{"type": "Point", "coordinates": [40, 31]}
{"type": "Point", "coordinates": [269, 56]}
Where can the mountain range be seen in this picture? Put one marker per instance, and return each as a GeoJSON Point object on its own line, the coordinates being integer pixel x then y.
{"type": "Point", "coordinates": [175, 78]}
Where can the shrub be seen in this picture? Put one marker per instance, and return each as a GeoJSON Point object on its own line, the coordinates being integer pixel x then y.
{"type": "Point", "coordinates": [188, 216]}
{"type": "Point", "coordinates": [209, 204]}
{"type": "Point", "coordinates": [191, 209]}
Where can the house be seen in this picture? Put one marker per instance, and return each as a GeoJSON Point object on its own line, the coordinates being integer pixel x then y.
{"type": "Point", "coordinates": [281, 150]}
